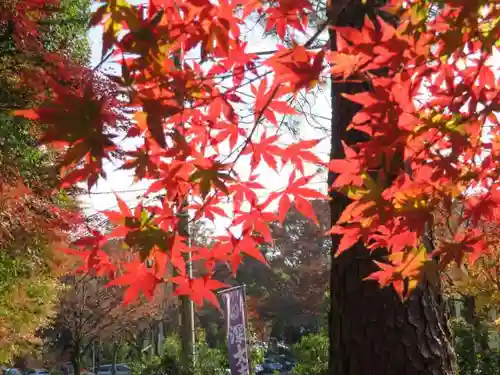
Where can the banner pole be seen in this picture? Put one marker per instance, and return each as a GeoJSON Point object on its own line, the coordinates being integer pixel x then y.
{"type": "Point", "coordinates": [230, 289]}
{"type": "Point", "coordinates": [248, 338]}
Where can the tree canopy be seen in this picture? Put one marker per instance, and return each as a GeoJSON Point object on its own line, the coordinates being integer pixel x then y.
{"type": "Point", "coordinates": [31, 218]}
{"type": "Point", "coordinates": [206, 122]}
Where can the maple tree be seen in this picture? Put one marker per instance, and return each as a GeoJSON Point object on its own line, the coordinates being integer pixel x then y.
{"type": "Point", "coordinates": [33, 219]}
{"type": "Point", "coordinates": [426, 124]}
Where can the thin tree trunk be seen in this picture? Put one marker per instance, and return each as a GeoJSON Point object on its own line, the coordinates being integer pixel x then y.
{"type": "Point", "coordinates": [151, 341]}
{"type": "Point", "coordinates": [76, 358]}
{"type": "Point", "coordinates": [160, 339]}
{"type": "Point", "coordinates": [470, 310]}
{"type": "Point", "coordinates": [116, 348]}
{"type": "Point", "coordinates": [371, 331]}
{"type": "Point", "coordinates": [97, 348]}
{"type": "Point", "coordinates": [471, 317]}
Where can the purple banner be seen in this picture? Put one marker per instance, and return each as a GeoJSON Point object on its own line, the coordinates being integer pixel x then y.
{"type": "Point", "coordinates": [234, 309]}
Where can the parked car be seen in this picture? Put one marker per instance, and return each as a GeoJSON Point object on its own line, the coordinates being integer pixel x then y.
{"type": "Point", "coordinates": [66, 368]}
{"type": "Point", "coordinates": [287, 362]}
{"type": "Point", "coordinates": [270, 366]}
{"type": "Point", "coordinates": [12, 371]}
{"type": "Point", "coordinates": [258, 369]}
{"type": "Point", "coordinates": [36, 371]}
{"type": "Point", "coordinates": [120, 369]}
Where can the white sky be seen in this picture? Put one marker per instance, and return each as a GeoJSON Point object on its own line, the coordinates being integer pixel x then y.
{"type": "Point", "coordinates": [102, 197]}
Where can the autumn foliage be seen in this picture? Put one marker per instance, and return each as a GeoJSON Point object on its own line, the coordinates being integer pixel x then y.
{"type": "Point", "coordinates": [431, 119]}
{"type": "Point", "coordinates": [34, 220]}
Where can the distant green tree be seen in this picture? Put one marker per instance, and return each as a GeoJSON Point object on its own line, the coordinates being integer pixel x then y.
{"type": "Point", "coordinates": [474, 356]}
{"type": "Point", "coordinates": [67, 30]}
{"type": "Point", "coordinates": [311, 354]}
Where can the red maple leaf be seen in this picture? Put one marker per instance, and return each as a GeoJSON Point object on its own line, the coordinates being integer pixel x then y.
{"type": "Point", "coordinates": [349, 169]}
{"type": "Point", "coordinates": [119, 218]}
{"type": "Point", "coordinates": [264, 150]}
{"type": "Point", "coordinates": [138, 278]}
{"type": "Point", "coordinates": [300, 194]}
{"type": "Point", "coordinates": [266, 102]}
{"type": "Point", "coordinates": [251, 246]}
{"type": "Point", "coordinates": [256, 219]}
{"type": "Point", "coordinates": [297, 67]}
{"type": "Point", "coordinates": [219, 252]}
{"type": "Point", "coordinates": [227, 131]}
{"type": "Point", "coordinates": [470, 242]}
{"type": "Point", "coordinates": [245, 192]}
{"type": "Point", "coordinates": [345, 64]}
{"type": "Point", "coordinates": [395, 239]}
{"type": "Point", "coordinates": [208, 210]}
{"type": "Point", "coordinates": [350, 236]}
{"type": "Point", "coordinates": [298, 153]}
{"type": "Point", "coordinates": [94, 260]}
{"type": "Point", "coordinates": [80, 122]}
{"type": "Point", "coordinates": [402, 272]}
{"type": "Point", "coordinates": [292, 13]}
{"type": "Point", "coordinates": [198, 289]}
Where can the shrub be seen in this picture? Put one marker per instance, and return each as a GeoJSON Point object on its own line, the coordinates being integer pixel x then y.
{"type": "Point", "coordinates": [474, 356]}
{"type": "Point", "coordinates": [209, 361]}
{"type": "Point", "coordinates": [312, 354]}
{"type": "Point", "coordinates": [166, 364]}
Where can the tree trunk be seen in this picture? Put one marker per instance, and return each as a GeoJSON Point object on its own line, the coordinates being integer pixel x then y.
{"type": "Point", "coordinates": [371, 331]}
{"type": "Point", "coordinates": [137, 343]}
{"type": "Point", "coordinates": [471, 317]}
{"type": "Point", "coordinates": [160, 339]}
{"type": "Point", "coordinates": [116, 348]}
{"type": "Point", "coordinates": [152, 340]}
{"type": "Point", "coordinates": [97, 349]}
{"type": "Point", "coordinates": [76, 358]}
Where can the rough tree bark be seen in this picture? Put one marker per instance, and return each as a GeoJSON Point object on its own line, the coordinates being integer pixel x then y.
{"type": "Point", "coordinates": [371, 331]}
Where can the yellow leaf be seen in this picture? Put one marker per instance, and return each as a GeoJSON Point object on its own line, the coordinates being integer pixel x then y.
{"type": "Point", "coordinates": [141, 120]}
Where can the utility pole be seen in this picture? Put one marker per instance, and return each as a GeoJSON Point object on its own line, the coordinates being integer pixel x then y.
{"type": "Point", "coordinates": [186, 307]}
{"type": "Point", "coordinates": [94, 368]}
{"type": "Point", "coordinates": [186, 312]}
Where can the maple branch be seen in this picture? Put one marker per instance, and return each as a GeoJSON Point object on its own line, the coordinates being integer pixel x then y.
{"type": "Point", "coordinates": [242, 147]}
{"type": "Point", "coordinates": [233, 89]}
{"type": "Point", "coordinates": [310, 113]}
{"type": "Point", "coordinates": [331, 20]}
{"type": "Point", "coordinates": [254, 128]}
{"type": "Point", "coordinates": [103, 60]}
{"type": "Point", "coordinates": [315, 36]}
{"type": "Point", "coordinates": [264, 53]}
{"type": "Point", "coordinates": [116, 191]}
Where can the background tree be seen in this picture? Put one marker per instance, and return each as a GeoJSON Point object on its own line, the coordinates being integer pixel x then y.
{"type": "Point", "coordinates": [288, 295]}
{"type": "Point", "coordinates": [473, 356]}
{"type": "Point", "coordinates": [478, 285]}
{"type": "Point", "coordinates": [30, 227]}
{"type": "Point", "coordinates": [90, 311]}
{"type": "Point", "coordinates": [395, 157]}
